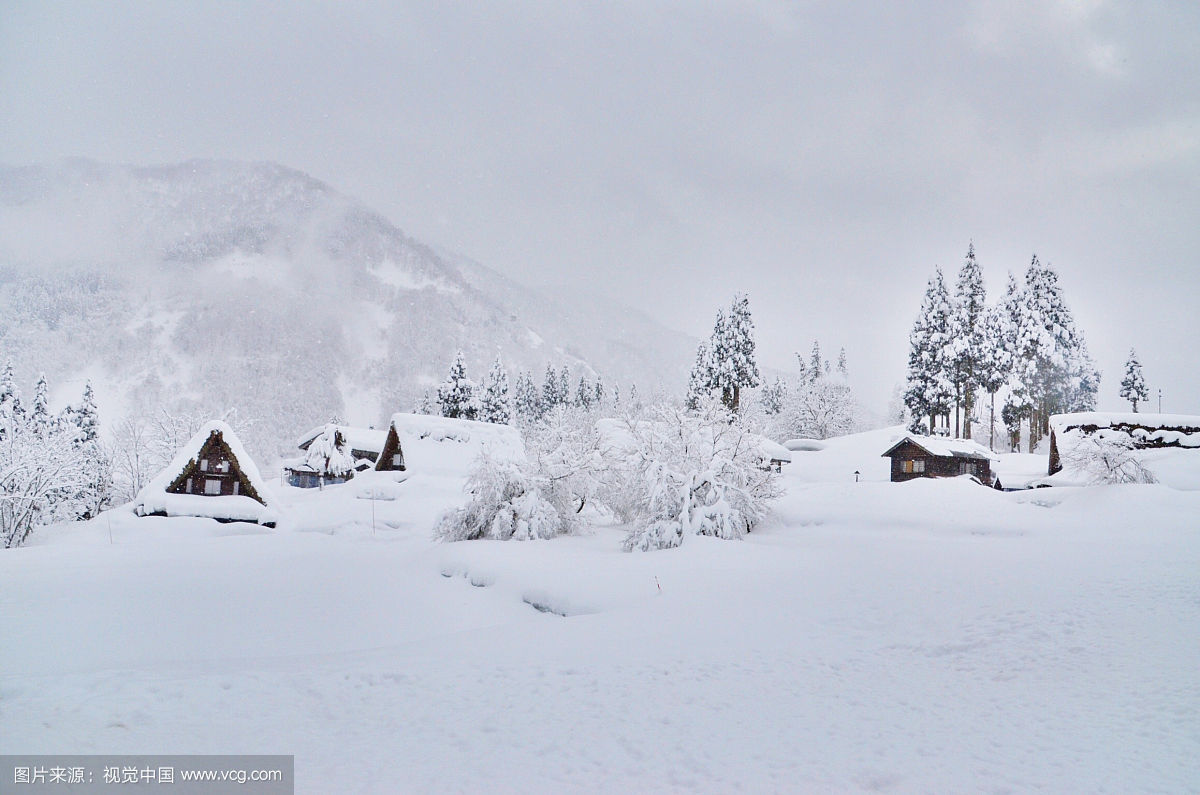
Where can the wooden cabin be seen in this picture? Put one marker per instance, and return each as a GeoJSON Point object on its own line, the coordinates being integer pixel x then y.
{"type": "Point", "coordinates": [211, 477]}
{"type": "Point", "coordinates": [936, 457]}
{"type": "Point", "coordinates": [1146, 431]}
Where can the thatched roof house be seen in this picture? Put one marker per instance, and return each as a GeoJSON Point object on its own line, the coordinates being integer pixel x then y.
{"type": "Point", "coordinates": [213, 477]}
{"type": "Point", "coordinates": [1146, 431]}
{"type": "Point", "coordinates": [424, 443]}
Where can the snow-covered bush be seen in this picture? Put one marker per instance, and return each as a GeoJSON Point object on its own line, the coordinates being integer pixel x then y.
{"type": "Point", "coordinates": [505, 503]}
{"type": "Point", "coordinates": [42, 478]}
{"type": "Point", "coordinates": [1103, 457]}
{"type": "Point", "coordinates": [330, 455]}
{"type": "Point", "coordinates": [540, 496]}
{"type": "Point", "coordinates": [677, 473]}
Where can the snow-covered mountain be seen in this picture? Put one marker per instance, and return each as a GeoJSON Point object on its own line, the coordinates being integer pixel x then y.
{"type": "Point", "coordinates": [210, 285]}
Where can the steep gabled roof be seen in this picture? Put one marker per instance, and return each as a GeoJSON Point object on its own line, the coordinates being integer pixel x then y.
{"type": "Point", "coordinates": [256, 503]}
{"type": "Point", "coordinates": [451, 446]}
{"type": "Point", "coordinates": [945, 448]}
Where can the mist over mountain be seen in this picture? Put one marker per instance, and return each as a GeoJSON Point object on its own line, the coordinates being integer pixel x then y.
{"type": "Point", "coordinates": [216, 285]}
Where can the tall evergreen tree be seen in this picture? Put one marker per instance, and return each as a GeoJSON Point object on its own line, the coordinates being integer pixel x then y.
{"type": "Point", "coordinates": [88, 417]}
{"type": "Point", "coordinates": [702, 380]}
{"type": "Point", "coordinates": [735, 366]}
{"type": "Point", "coordinates": [584, 393]}
{"type": "Point", "coordinates": [495, 405]}
{"type": "Point", "coordinates": [1133, 385]}
{"type": "Point", "coordinates": [929, 390]}
{"type": "Point", "coordinates": [814, 361]}
{"type": "Point", "coordinates": [549, 390]}
{"type": "Point", "coordinates": [456, 395]}
{"type": "Point", "coordinates": [10, 399]}
{"type": "Point", "coordinates": [39, 417]}
{"type": "Point", "coordinates": [841, 364]}
{"type": "Point", "coordinates": [996, 360]}
{"type": "Point", "coordinates": [599, 390]}
{"type": "Point", "coordinates": [527, 399]}
{"type": "Point", "coordinates": [1053, 362]}
{"type": "Point", "coordinates": [967, 341]}
{"type": "Point", "coordinates": [564, 386]}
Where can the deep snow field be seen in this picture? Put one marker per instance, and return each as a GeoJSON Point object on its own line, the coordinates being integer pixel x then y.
{"type": "Point", "coordinates": [927, 636]}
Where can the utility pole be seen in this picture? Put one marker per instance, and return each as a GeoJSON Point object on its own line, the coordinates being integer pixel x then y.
{"type": "Point", "coordinates": [1160, 400]}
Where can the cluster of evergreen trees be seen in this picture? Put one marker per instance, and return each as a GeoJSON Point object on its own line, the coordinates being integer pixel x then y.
{"type": "Point", "coordinates": [524, 401]}
{"type": "Point", "coordinates": [1025, 348]}
{"type": "Point", "coordinates": [52, 466]}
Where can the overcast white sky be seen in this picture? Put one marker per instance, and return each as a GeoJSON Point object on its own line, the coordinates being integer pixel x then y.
{"type": "Point", "coordinates": [822, 156]}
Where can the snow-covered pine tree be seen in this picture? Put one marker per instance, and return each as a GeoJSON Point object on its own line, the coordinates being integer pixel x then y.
{"type": "Point", "coordinates": [1133, 385]}
{"type": "Point", "coordinates": [564, 386]}
{"type": "Point", "coordinates": [584, 393]}
{"type": "Point", "coordinates": [425, 406]}
{"type": "Point", "coordinates": [995, 360]}
{"type": "Point", "coordinates": [495, 405]}
{"type": "Point", "coordinates": [841, 364]}
{"type": "Point", "coordinates": [550, 389]}
{"type": "Point", "coordinates": [599, 390]}
{"type": "Point", "coordinates": [527, 399]}
{"type": "Point", "coordinates": [39, 417]}
{"type": "Point", "coordinates": [701, 381]}
{"type": "Point", "coordinates": [735, 366]}
{"type": "Point", "coordinates": [815, 366]}
{"type": "Point", "coordinates": [10, 400]}
{"type": "Point", "coordinates": [773, 396]}
{"type": "Point", "coordinates": [88, 416]}
{"type": "Point", "coordinates": [929, 391]}
{"type": "Point", "coordinates": [966, 340]}
{"type": "Point", "coordinates": [1053, 361]}
{"type": "Point", "coordinates": [456, 395]}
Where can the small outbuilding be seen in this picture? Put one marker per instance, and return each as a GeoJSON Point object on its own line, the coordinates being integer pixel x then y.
{"type": "Point", "coordinates": [935, 457]}
{"type": "Point", "coordinates": [211, 477]}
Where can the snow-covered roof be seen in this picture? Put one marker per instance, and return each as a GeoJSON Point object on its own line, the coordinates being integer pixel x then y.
{"type": "Point", "coordinates": [451, 446]}
{"type": "Point", "coordinates": [946, 448]}
{"type": "Point", "coordinates": [774, 450]}
{"type": "Point", "coordinates": [804, 445]}
{"type": "Point", "coordinates": [1189, 423]}
{"type": "Point", "coordinates": [154, 497]}
{"type": "Point", "coordinates": [369, 439]}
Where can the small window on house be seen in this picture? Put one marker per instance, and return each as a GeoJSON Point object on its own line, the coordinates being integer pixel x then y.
{"type": "Point", "coordinates": [188, 487]}
{"type": "Point", "coordinates": [223, 466]}
{"type": "Point", "coordinates": [235, 487]}
{"type": "Point", "coordinates": [398, 460]}
{"type": "Point", "coordinates": [212, 486]}
{"type": "Point", "coordinates": [918, 465]}
{"type": "Point", "coordinates": [203, 464]}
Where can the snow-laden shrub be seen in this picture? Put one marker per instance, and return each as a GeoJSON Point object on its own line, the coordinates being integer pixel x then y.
{"type": "Point", "coordinates": [1103, 457]}
{"type": "Point", "coordinates": [677, 473]}
{"type": "Point", "coordinates": [330, 455]}
{"type": "Point", "coordinates": [505, 503]}
{"type": "Point", "coordinates": [538, 497]}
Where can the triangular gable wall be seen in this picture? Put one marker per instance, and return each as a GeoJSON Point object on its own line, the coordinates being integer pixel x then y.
{"type": "Point", "coordinates": [391, 448]}
{"type": "Point", "coordinates": [215, 443]}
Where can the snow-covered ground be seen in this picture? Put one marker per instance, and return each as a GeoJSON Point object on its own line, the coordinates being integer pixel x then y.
{"type": "Point", "coordinates": [927, 636]}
